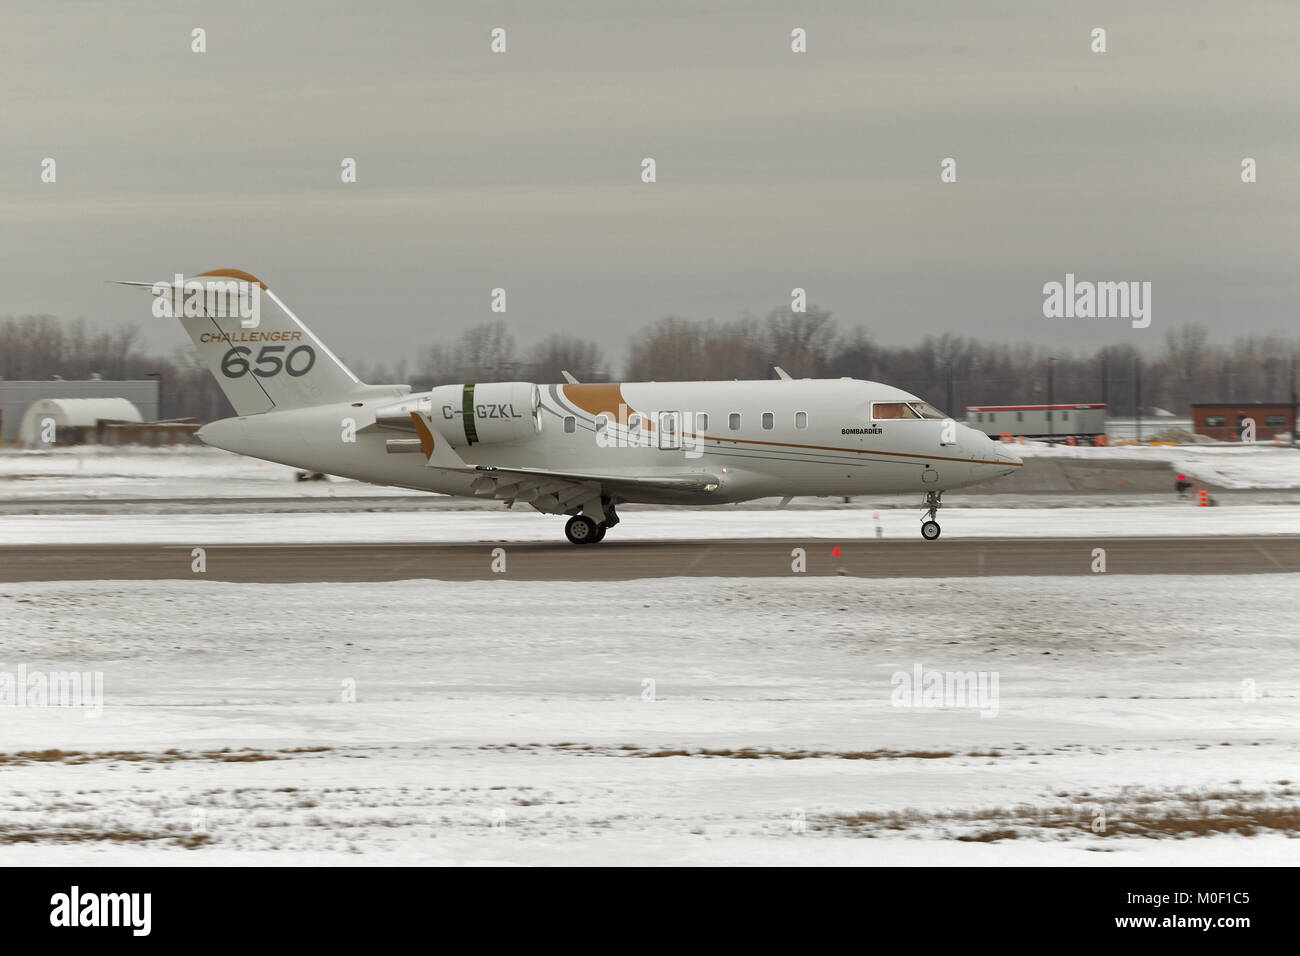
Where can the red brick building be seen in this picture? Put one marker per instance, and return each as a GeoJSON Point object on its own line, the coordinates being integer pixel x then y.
{"type": "Point", "coordinates": [1224, 420]}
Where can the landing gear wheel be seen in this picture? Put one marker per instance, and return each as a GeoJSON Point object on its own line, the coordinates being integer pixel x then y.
{"type": "Point", "coordinates": [600, 533]}
{"type": "Point", "coordinates": [930, 527]}
{"type": "Point", "coordinates": [582, 530]}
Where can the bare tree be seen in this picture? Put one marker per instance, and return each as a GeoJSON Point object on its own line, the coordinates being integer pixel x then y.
{"type": "Point", "coordinates": [800, 342]}
{"type": "Point", "coordinates": [483, 353]}
{"type": "Point", "coordinates": [558, 353]}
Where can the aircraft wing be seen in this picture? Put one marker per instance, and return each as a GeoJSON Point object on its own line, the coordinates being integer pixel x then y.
{"type": "Point", "coordinates": [553, 492]}
{"type": "Point", "coordinates": [557, 492]}
{"type": "Point", "coordinates": [692, 482]}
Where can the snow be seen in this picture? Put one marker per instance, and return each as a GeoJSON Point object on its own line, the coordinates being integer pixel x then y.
{"type": "Point", "coordinates": [180, 471]}
{"type": "Point", "coordinates": [1259, 465]}
{"type": "Point", "coordinates": [703, 524]}
{"type": "Point", "coordinates": [190, 471]}
{"type": "Point", "coordinates": [503, 722]}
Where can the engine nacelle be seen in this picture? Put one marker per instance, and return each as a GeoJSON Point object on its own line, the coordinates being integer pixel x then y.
{"type": "Point", "coordinates": [487, 413]}
{"type": "Point", "coordinates": [469, 414]}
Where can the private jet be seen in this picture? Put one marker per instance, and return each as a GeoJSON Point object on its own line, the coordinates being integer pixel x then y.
{"type": "Point", "coordinates": [571, 448]}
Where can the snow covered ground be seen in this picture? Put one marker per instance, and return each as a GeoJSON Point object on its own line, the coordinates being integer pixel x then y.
{"type": "Point", "coordinates": [658, 721]}
{"type": "Point", "coordinates": [218, 486]}
{"type": "Point", "coordinates": [89, 472]}
{"type": "Point", "coordinates": [183, 471]}
{"type": "Point", "coordinates": [1258, 465]}
{"type": "Point", "coordinates": [254, 527]}
{"type": "Point", "coordinates": [1147, 720]}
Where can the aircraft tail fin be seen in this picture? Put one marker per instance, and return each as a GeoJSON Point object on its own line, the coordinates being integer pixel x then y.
{"type": "Point", "coordinates": [261, 354]}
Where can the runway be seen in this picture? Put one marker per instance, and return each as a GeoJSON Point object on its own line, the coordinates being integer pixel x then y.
{"type": "Point", "coordinates": [621, 561]}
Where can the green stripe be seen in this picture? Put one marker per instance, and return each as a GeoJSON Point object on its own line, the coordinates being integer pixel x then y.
{"type": "Point", "coordinates": [467, 413]}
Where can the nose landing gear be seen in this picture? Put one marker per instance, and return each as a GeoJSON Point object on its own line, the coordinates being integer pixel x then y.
{"type": "Point", "coordinates": [930, 527]}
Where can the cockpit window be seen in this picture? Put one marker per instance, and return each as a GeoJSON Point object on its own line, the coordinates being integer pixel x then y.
{"type": "Point", "coordinates": [926, 410]}
{"type": "Point", "coordinates": [899, 410]}
{"type": "Point", "coordinates": [884, 410]}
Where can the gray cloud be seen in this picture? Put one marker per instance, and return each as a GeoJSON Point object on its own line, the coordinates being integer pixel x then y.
{"type": "Point", "coordinates": [775, 170]}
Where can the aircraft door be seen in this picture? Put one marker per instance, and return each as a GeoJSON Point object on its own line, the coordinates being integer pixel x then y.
{"type": "Point", "coordinates": [670, 433]}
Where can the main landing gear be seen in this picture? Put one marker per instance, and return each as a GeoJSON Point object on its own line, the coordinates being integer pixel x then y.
{"type": "Point", "coordinates": [581, 529]}
{"type": "Point", "coordinates": [930, 527]}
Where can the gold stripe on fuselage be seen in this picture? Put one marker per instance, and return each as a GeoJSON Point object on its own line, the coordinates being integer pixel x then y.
{"type": "Point", "coordinates": [607, 399]}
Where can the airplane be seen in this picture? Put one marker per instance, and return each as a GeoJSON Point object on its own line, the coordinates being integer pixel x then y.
{"type": "Point", "coordinates": [571, 448]}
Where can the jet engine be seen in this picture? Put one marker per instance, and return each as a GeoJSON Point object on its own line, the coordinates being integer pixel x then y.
{"type": "Point", "coordinates": [484, 413]}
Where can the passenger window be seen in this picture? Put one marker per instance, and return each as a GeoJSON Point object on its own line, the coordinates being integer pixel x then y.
{"type": "Point", "coordinates": [601, 422]}
{"type": "Point", "coordinates": [701, 422]}
{"type": "Point", "coordinates": [633, 424]}
{"type": "Point", "coordinates": [733, 421]}
{"type": "Point", "coordinates": [769, 419]}
{"type": "Point", "coordinates": [1020, 416]}
{"type": "Point", "coordinates": [800, 419]}
{"type": "Point", "coordinates": [993, 416]}
{"type": "Point", "coordinates": [979, 416]}
{"type": "Point", "coordinates": [570, 424]}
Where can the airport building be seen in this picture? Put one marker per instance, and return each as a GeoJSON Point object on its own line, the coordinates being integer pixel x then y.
{"type": "Point", "coordinates": [18, 396]}
{"type": "Point", "coordinates": [1038, 421]}
{"type": "Point", "coordinates": [72, 421]}
{"type": "Point", "coordinates": [1224, 421]}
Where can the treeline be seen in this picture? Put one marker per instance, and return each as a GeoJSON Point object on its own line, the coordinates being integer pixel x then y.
{"type": "Point", "coordinates": [44, 346]}
{"type": "Point", "coordinates": [951, 371]}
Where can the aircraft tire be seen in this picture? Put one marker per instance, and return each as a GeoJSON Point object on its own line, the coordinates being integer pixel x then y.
{"type": "Point", "coordinates": [930, 530]}
{"type": "Point", "coordinates": [582, 530]}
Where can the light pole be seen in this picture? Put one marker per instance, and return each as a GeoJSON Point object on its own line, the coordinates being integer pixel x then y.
{"type": "Point", "coordinates": [1137, 395]}
{"type": "Point", "coordinates": [1295, 423]}
{"type": "Point", "coordinates": [1051, 392]}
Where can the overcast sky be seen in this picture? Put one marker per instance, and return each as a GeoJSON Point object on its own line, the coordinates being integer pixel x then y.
{"type": "Point", "coordinates": [775, 169]}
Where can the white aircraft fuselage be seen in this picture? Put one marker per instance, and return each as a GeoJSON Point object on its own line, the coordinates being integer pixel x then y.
{"type": "Point", "coordinates": [574, 449]}
{"type": "Point", "coordinates": [839, 450]}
